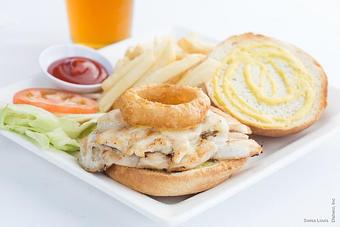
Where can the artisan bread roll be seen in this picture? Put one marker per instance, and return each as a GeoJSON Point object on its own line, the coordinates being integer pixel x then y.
{"type": "Point", "coordinates": [162, 183]}
{"type": "Point", "coordinates": [271, 86]}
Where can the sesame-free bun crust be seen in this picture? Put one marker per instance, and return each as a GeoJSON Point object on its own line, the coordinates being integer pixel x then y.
{"type": "Point", "coordinates": [311, 64]}
{"type": "Point", "coordinates": [161, 183]}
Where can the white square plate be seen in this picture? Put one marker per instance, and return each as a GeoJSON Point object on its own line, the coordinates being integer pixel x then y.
{"type": "Point", "coordinates": [278, 152]}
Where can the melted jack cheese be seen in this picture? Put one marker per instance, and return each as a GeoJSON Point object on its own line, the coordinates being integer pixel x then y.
{"type": "Point", "coordinates": [179, 143]}
{"type": "Point", "coordinates": [116, 142]}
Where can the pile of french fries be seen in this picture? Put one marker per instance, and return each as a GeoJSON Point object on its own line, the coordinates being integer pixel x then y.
{"type": "Point", "coordinates": [165, 60]}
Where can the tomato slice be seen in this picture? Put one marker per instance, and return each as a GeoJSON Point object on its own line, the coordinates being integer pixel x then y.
{"type": "Point", "coordinates": [57, 101]}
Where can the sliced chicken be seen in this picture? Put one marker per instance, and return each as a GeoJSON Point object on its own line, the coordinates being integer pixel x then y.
{"type": "Point", "coordinates": [203, 153]}
{"type": "Point", "coordinates": [237, 136]}
{"type": "Point", "coordinates": [112, 156]}
{"type": "Point", "coordinates": [112, 120]}
{"type": "Point", "coordinates": [91, 154]}
{"type": "Point", "coordinates": [154, 161]}
{"type": "Point", "coordinates": [234, 125]}
{"type": "Point", "coordinates": [115, 142]}
{"type": "Point", "coordinates": [236, 149]}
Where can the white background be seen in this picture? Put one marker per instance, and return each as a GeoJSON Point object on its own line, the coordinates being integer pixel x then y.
{"type": "Point", "coordinates": [36, 193]}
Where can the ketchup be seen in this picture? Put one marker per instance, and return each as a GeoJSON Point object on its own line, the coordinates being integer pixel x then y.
{"type": "Point", "coordinates": [78, 70]}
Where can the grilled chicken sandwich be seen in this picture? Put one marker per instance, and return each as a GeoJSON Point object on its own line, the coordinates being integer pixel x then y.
{"type": "Point", "coordinates": [168, 162]}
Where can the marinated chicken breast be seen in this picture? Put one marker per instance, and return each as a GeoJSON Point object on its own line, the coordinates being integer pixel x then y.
{"type": "Point", "coordinates": [116, 142]}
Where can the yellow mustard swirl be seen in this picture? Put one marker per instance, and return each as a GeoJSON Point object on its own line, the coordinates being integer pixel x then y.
{"type": "Point", "coordinates": [265, 57]}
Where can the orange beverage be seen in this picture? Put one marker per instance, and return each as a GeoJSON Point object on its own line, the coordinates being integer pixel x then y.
{"type": "Point", "coordinates": [96, 23]}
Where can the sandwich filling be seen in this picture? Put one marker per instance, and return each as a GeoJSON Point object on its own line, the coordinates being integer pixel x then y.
{"type": "Point", "coordinates": [116, 142]}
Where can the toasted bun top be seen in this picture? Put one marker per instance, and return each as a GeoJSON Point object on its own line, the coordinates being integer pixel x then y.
{"type": "Point", "coordinates": [271, 86]}
{"type": "Point", "coordinates": [161, 183]}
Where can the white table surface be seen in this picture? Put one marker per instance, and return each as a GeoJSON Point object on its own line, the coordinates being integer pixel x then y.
{"type": "Point", "coordinates": [36, 193]}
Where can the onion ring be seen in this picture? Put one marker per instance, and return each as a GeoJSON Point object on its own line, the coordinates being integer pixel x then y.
{"type": "Point", "coordinates": [164, 106]}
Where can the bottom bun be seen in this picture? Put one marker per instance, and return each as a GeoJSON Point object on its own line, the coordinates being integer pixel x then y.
{"type": "Point", "coordinates": [161, 183]}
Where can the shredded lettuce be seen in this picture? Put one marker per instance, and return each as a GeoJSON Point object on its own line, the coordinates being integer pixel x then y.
{"type": "Point", "coordinates": [28, 116]}
{"type": "Point", "coordinates": [79, 125]}
{"type": "Point", "coordinates": [46, 129]}
{"type": "Point", "coordinates": [60, 140]}
{"type": "Point", "coordinates": [39, 138]}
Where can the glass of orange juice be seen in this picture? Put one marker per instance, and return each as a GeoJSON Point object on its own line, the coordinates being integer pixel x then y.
{"type": "Point", "coordinates": [97, 23]}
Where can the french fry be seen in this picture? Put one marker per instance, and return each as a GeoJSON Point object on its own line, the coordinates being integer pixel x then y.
{"type": "Point", "coordinates": [120, 63]}
{"type": "Point", "coordinates": [161, 61]}
{"type": "Point", "coordinates": [171, 70]}
{"type": "Point", "coordinates": [164, 54]}
{"type": "Point", "coordinates": [192, 44]}
{"type": "Point", "coordinates": [180, 53]}
{"type": "Point", "coordinates": [144, 62]}
{"type": "Point", "coordinates": [133, 52]}
{"type": "Point", "coordinates": [201, 73]}
{"type": "Point", "coordinates": [175, 79]}
{"type": "Point", "coordinates": [120, 73]}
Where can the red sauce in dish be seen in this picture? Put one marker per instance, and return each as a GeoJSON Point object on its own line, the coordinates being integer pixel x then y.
{"type": "Point", "coordinates": [78, 70]}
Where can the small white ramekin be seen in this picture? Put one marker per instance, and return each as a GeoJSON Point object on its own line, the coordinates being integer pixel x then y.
{"type": "Point", "coordinates": [56, 52]}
